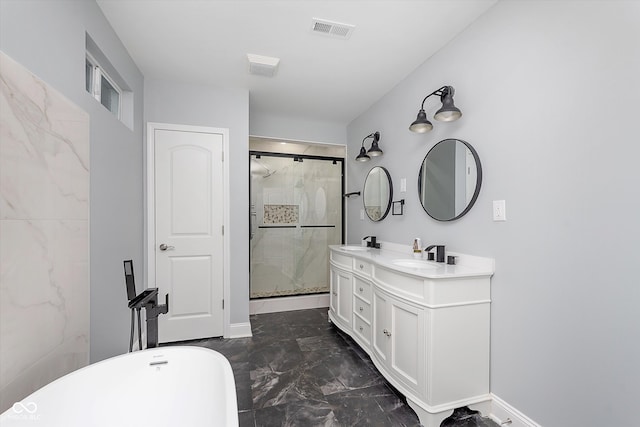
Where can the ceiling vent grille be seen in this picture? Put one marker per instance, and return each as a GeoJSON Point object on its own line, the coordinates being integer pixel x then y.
{"type": "Point", "coordinates": [330, 28]}
{"type": "Point", "coordinates": [263, 65]}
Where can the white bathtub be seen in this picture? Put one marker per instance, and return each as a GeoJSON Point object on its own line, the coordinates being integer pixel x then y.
{"type": "Point", "coordinates": [168, 386]}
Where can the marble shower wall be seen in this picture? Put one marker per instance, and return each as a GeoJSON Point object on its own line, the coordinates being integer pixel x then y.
{"type": "Point", "coordinates": [44, 227]}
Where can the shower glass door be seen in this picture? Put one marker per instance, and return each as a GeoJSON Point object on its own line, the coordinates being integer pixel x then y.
{"type": "Point", "coordinates": [296, 212]}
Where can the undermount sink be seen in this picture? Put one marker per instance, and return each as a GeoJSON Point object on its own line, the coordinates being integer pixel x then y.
{"type": "Point", "coordinates": [353, 248]}
{"type": "Point", "coordinates": [413, 263]}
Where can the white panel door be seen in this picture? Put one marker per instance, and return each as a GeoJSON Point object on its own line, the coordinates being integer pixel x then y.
{"type": "Point", "coordinates": [188, 233]}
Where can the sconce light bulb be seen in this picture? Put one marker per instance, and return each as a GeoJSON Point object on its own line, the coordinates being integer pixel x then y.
{"type": "Point", "coordinates": [421, 124]}
{"type": "Point", "coordinates": [375, 151]}
{"type": "Point", "coordinates": [362, 157]}
{"type": "Point", "coordinates": [448, 112]}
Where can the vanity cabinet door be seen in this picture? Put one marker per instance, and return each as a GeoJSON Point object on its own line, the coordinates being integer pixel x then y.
{"type": "Point", "coordinates": [340, 297]}
{"type": "Point", "coordinates": [380, 339]}
{"type": "Point", "coordinates": [407, 359]}
{"type": "Point", "coordinates": [333, 291]}
{"type": "Point", "coordinates": [399, 340]}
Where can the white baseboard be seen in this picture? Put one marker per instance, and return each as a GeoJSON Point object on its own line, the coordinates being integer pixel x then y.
{"type": "Point", "coordinates": [502, 413]}
{"type": "Point", "coordinates": [240, 330]}
{"type": "Point", "coordinates": [302, 302]}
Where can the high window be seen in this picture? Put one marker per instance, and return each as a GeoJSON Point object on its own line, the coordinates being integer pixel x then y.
{"type": "Point", "coordinates": [101, 86]}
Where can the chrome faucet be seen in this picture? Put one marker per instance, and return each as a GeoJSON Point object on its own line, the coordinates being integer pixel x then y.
{"type": "Point", "coordinates": [371, 243]}
{"type": "Point", "coordinates": [439, 252]}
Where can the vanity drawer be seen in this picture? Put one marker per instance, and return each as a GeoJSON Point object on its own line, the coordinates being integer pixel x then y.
{"type": "Point", "coordinates": [362, 329]}
{"type": "Point", "coordinates": [362, 288]}
{"type": "Point", "coordinates": [362, 267]}
{"type": "Point", "coordinates": [362, 308]}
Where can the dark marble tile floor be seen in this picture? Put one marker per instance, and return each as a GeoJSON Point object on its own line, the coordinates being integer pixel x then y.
{"type": "Point", "coordinates": [300, 370]}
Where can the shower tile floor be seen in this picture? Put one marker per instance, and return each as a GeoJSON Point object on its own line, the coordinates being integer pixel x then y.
{"type": "Point", "coordinates": [300, 370]}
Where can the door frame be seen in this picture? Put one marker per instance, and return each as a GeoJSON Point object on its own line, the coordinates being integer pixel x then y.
{"type": "Point", "coordinates": [149, 247]}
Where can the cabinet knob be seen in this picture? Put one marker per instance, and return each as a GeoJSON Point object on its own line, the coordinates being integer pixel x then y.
{"type": "Point", "coordinates": [335, 293]}
{"type": "Point", "coordinates": [361, 289]}
{"type": "Point", "coordinates": [387, 333]}
{"type": "Point", "coordinates": [361, 266]}
{"type": "Point", "coordinates": [360, 328]}
{"type": "Point", "coordinates": [361, 308]}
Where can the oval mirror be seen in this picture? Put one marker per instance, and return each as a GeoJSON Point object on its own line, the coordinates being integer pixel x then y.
{"type": "Point", "coordinates": [449, 179]}
{"type": "Point", "coordinates": [377, 193]}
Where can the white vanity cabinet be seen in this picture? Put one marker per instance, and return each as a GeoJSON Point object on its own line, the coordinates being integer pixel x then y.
{"type": "Point", "coordinates": [426, 330]}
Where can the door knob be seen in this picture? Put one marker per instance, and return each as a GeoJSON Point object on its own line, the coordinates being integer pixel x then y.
{"type": "Point", "coordinates": [164, 247]}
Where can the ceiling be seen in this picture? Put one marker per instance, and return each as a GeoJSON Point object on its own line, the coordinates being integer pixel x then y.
{"type": "Point", "coordinates": [319, 77]}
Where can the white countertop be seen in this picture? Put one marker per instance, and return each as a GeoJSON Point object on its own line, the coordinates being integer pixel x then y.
{"type": "Point", "coordinates": [466, 265]}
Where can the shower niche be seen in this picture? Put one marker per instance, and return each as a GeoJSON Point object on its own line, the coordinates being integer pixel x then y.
{"type": "Point", "coordinates": [296, 212]}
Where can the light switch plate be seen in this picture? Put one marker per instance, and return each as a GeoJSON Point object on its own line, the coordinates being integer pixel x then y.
{"type": "Point", "coordinates": [403, 185]}
{"type": "Point", "coordinates": [361, 214]}
{"type": "Point", "coordinates": [499, 210]}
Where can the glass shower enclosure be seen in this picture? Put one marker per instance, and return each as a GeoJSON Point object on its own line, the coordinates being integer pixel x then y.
{"type": "Point", "coordinates": [296, 211]}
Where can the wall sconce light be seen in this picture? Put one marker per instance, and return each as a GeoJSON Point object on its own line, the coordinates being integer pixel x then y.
{"type": "Point", "coordinates": [448, 112]}
{"type": "Point", "coordinates": [374, 151]}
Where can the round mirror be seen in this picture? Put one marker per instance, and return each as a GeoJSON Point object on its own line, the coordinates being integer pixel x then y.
{"type": "Point", "coordinates": [449, 179]}
{"type": "Point", "coordinates": [377, 193]}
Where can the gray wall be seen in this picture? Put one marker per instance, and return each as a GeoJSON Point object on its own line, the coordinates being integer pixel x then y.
{"type": "Point", "coordinates": [48, 38]}
{"type": "Point", "coordinates": [179, 103]}
{"type": "Point", "coordinates": [549, 93]}
{"type": "Point", "coordinates": [296, 128]}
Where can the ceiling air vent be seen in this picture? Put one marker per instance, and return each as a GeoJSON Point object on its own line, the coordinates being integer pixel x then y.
{"type": "Point", "coordinates": [263, 65]}
{"type": "Point", "coordinates": [330, 28]}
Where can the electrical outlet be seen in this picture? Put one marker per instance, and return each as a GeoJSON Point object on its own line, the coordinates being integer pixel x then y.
{"type": "Point", "coordinates": [499, 210]}
{"type": "Point", "coordinates": [403, 185]}
{"type": "Point", "coordinates": [361, 214]}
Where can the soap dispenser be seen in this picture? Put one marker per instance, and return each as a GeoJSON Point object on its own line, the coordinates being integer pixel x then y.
{"type": "Point", "coordinates": [417, 248]}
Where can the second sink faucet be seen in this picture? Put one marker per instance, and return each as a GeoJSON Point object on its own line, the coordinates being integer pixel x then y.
{"type": "Point", "coordinates": [372, 242]}
{"type": "Point", "coordinates": [439, 252]}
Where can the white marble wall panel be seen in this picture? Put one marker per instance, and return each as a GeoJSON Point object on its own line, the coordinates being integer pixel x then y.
{"type": "Point", "coordinates": [44, 226]}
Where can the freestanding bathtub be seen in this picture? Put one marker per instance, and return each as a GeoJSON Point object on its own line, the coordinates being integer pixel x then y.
{"type": "Point", "coordinates": [167, 386]}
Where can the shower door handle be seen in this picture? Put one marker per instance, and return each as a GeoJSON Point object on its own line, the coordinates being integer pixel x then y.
{"type": "Point", "coordinates": [164, 247]}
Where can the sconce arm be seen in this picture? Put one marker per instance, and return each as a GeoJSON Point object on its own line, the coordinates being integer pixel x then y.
{"type": "Point", "coordinates": [440, 92]}
{"type": "Point", "coordinates": [368, 136]}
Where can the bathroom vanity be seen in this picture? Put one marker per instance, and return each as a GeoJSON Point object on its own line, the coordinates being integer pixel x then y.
{"type": "Point", "coordinates": [424, 324]}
